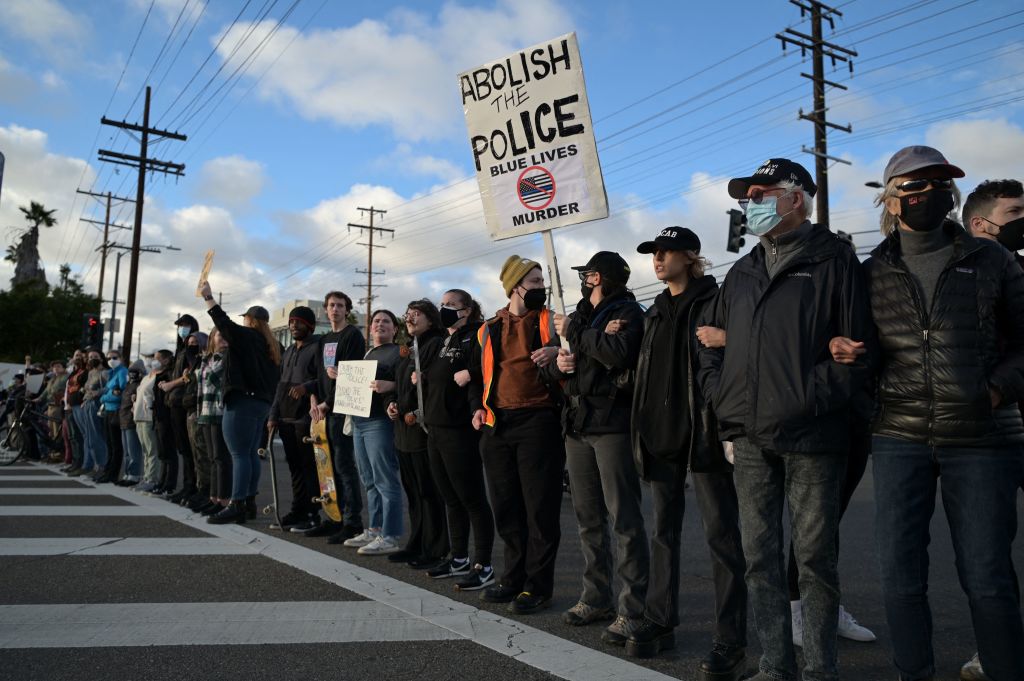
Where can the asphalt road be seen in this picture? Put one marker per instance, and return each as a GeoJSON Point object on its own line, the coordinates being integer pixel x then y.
{"type": "Point", "coordinates": [159, 594]}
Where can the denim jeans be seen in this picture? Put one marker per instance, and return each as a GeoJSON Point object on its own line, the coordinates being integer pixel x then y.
{"type": "Point", "coordinates": [95, 432]}
{"type": "Point", "coordinates": [811, 483]}
{"type": "Point", "coordinates": [242, 425]}
{"type": "Point", "coordinates": [606, 493]}
{"type": "Point", "coordinates": [346, 476]}
{"type": "Point", "coordinates": [374, 441]}
{"type": "Point", "coordinates": [86, 462]}
{"type": "Point", "coordinates": [979, 495]}
{"type": "Point", "coordinates": [132, 453]}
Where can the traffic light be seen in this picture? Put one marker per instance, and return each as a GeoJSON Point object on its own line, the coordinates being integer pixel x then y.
{"type": "Point", "coordinates": [92, 331]}
{"type": "Point", "coordinates": [737, 228]}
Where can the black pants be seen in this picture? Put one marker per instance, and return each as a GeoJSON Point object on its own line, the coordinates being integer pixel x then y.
{"type": "Point", "coordinates": [115, 448]}
{"type": "Point", "coordinates": [459, 475]}
{"type": "Point", "coordinates": [428, 531]}
{"type": "Point", "coordinates": [220, 460]}
{"type": "Point", "coordinates": [301, 465]}
{"type": "Point", "coordinates": [167, 452]}
{"type": "Point", "coordinates": [524, 456]}
{"type": "Point", "coordinates": [179, 426]}
{"type": "Point", "coordinates": [346, 476]}
{"type": "Point", "coordinates": [856, 463]}
{"type": "Point", "coordinates": [719, 509]}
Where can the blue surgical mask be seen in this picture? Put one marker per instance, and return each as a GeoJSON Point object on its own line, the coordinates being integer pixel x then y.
{"type": "Point", "coordinates": [763, 217]}
{"type": "Point", "coordinates": [184, 332]}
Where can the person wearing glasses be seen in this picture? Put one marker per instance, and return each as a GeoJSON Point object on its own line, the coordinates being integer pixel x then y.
{"type": "Point", "coordinates": [786, 405]}
{"type": "Point", "coordinates": [949, 309]}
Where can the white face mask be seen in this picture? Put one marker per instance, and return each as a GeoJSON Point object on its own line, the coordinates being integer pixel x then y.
{"type": "Point", "coordinates": [155, 365]}
{"type": "Point", "coordinates": [114, 363]}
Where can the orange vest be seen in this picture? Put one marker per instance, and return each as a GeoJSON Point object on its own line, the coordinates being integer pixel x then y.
{"type": "Point", "coordinates": [483, 336]}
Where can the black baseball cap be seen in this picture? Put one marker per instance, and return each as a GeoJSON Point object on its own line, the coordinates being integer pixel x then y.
{"type": "Point", "coordinates": [608, 264]}
{"type": "Point", "coordinates": [773, 171]}
{"type": "Point", "coordinates": [672, 239]}
{"type": "Point", "coordinates": [257, 312]}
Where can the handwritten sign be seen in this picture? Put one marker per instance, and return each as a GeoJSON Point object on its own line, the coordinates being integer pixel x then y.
{"type": "Point", "coordinates": [352, 394]}
{"type": "Point", "coordinates": [205, 274]}
{"type": "Point", "coordinates": [532, 140]}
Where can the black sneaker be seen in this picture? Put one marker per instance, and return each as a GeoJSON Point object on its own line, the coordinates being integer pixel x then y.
{"type": "Point", "coordinates": [403, 556]}
{"type": "Point", "coordinates": [425, 562]}
{"type": "Point", "coordinates": [723, 663]}
{"type": "Point", "coordinates": [649, 639]}
{"type": "Point", "coordinates": [526, 603]}
{"type": "Point", "coordinates": [311, 523]}
{"type": "Point", "coordinates": [293, 519]}
{"type": "Point", "coordinates": [325, 529]}
{"type": "Point", "coordinates": [479, 577]}
{"type": "Point", "coordinates": [452, 568]}
{"type": "Point", "coordinates": [344, 534]}
{"type": "Point", "coordinates": [499, 593]}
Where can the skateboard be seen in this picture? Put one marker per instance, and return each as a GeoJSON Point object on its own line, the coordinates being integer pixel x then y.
{"type": "Point", "coordinates": [324, 469]}
{"type": "Point", "coordinates": [274, 507]}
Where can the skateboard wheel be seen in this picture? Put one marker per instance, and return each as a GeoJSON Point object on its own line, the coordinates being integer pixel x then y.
{"type": "Point", "coordinates": [267, 510]}
{"type": "Point", "coordinates": [307, 440]}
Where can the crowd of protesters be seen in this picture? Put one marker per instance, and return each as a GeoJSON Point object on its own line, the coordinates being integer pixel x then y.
{"type": "Point", "coordinates": [767, 390]}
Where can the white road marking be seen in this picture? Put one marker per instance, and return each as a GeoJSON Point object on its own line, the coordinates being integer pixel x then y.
{"type": "Point", "coordinates": [48, 491]}
{"type": "Point", "coordinates": [77, 510]}
{"type": "Point", "coordinates": [33, 478]}
{"type": "Point", "coordinates": [121, 546]}
{"type": "Point", "coordinates": [180, 624]}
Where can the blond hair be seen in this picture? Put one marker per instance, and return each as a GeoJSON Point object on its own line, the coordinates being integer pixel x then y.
{"type": "Point", "coordinates": [889, 223]}
{"type": "Point", "coordinates": [698, 264]}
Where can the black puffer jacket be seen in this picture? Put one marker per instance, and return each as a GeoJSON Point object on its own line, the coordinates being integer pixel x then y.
{"type": "Point", "coordinates": [937, 365]}
{"type": "Point", "coordinates": [249, 371]}
{"type": "Point", "coordinates": [701, 450]}
{"type": "Point", "coordinates": [775, 381]}
{"type": "Point", "coordinates": [600, 390]}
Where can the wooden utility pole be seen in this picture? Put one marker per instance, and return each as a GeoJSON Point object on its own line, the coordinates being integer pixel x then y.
{"type": "Point", "coordinates": [106, 235]}
{"type": "Point", "coordinates": [369, 268]}
{"type": "Point", "coordinates": [819, 49]}
{"type": "Point", "coordinates": [144, 164]}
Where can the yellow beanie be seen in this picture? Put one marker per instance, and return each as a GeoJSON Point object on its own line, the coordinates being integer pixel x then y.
{"type": "Point", "coordinates": [513, 271]}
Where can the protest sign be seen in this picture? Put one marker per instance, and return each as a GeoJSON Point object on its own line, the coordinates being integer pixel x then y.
{"type": "Point", "coordinates": [205, 274]}
{"type": "Point", "coordinates": [532, 140]}
{"type": "Point", "coordinates": [352, 394]}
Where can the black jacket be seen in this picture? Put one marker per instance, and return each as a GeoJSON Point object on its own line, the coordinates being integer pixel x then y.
{"type": "Point", "coordinates": [408, 438]}
{"type": "Point", "coordinates": [298, 367]}
{"type": "Point", "coordinates": [701, 449]}
{"type": "Point", "coordinates": [775, 381]}
{"type": "Point", "coordinates": [600, 391]}
{"type": "Point", "coordinates": [441, 357]}
{"type": "Point", "coordinates": [248, 369]}
{"type": "Point", "coordinates": [937, 365]}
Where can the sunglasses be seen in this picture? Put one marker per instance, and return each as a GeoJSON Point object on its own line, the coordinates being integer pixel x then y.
{"type": "Point", "coordinates": [922, 184]}
{"type": "Point", "coordinates": [584, 275]}
{"type": "Point", "coordinates": [757, 195]}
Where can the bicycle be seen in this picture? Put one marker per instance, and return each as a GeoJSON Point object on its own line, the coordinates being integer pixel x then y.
{"type": "Point", "coordinates": [13, 441]}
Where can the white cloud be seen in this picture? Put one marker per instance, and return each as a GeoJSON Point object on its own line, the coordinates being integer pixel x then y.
{"type": "Point", "coordinates": [403, 160]}
{"type": "Point", "coordinates": [232, 181]}
{"type": "Point", "coordinates": [985, 149]}
{"type": "Point", "coordinates": [47, 24]}
{"type": "Point", "coordinates": [399, 72]}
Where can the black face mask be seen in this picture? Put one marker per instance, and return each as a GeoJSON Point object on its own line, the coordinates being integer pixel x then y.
{"type": "Point", "coordinates": [449, 317]}
{"type": "Point", "coordinates": [1011, 235]}
{"type": "Point", "coordinates": [925, 211]}
{"type": "Point", "coordinates": [192, 350]}
{"type": "Point", "coordinates": [535, 298]}
{"type": "Point", "coordinates": [586, 289]}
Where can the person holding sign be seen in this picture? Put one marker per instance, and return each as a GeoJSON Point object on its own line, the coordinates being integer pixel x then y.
{"type": "Point", "coordinates": [521, 445]}
{"type": "Point", "coordinates": [251, 373]}
{"type": "Point", "coordinates": [453, 443]}
{"type": "Point", "coordinates": [374, 440]}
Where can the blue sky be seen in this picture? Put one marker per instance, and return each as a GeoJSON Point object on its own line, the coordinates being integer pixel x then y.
{"type": "Point", "coordinates": [346, 105]}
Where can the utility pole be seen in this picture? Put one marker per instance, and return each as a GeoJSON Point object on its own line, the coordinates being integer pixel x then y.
{"type": "Point", "coordinates": [106, 235]}
{"type": "Point", "coordinates": [819, 49]}
{"type": "Point", "coordinates": [144, 164]}
{"type": "Point", "coordinates": [369, 267]}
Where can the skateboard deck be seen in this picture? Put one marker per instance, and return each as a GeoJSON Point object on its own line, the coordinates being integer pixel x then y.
{"type": "Point", "coordinates": [275, 506]}
{"type": "Point", "coordinates": [324, 470]}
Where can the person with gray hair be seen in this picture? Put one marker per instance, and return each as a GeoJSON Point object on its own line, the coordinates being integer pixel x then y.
{"type": "Point", "coordinates": [787, 406]}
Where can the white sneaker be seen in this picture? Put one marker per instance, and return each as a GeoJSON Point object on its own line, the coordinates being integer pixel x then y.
{"type": "Point", "coordinates": [380, 546]}
{"type": "Point", "coordinates": [797, 608]}
{"type": "Point", "coordinates": [362, 539]}
{"type": "Point", "coordinates": [972, 671]}
{"type": "Point", "coordinates": [848, 628]}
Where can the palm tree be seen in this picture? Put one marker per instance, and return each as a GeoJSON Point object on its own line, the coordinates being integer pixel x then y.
{"type": "Point", "coordinates": [25, 255]}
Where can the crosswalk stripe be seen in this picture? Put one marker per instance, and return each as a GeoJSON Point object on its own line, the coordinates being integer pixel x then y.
{"type": "Point", "coordinates": [180, 624]}
{"type": "Point", "coordinates": [121, 546]}
{"type": "Point", "coordinates": [5, 479]}
{"type": "Point", "coordinates": [76, 511]}
{"type": "Point", "coordinates": [49, 491]}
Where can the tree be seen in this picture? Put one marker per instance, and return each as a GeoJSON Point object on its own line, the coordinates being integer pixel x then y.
{"type": "Point", "coordinates": [25, 252]}
{"type": "Point", "coordinates": [42, 322]}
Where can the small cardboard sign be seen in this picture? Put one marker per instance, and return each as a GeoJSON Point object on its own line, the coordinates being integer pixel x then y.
{"type": "Point", "coordinates": [205, 274]}
{"type": "Point", "coordinates": [352, 393]}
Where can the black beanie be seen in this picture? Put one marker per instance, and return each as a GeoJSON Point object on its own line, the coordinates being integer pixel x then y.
{"type": "Point", "coordinates": [304, 314]}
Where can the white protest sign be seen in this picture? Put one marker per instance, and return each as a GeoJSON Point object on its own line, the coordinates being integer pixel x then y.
{"type": "Point", "coordinates": [352, 393]}
{"type": "Point", "coordinates": [532, 140]}
{"type": "Point", "coordinates": [33, 382]}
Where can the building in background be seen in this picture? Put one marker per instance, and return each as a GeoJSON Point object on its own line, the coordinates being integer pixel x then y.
{"type": "Point", "coordinates": [279, 319]}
